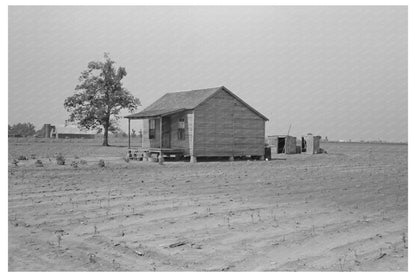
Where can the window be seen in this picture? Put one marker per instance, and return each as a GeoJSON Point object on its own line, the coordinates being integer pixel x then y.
{"type": "Point", "coordinates": [181, 129]}
{"type": "Point", "coordinates": [152, 128]}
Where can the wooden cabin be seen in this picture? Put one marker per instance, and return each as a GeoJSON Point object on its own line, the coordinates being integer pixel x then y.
{"type": "Point", "coordinates": [210, 122]}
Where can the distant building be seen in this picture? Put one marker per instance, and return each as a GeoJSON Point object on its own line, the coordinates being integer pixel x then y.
{"type": "Point", "coordinates": [67, 131]}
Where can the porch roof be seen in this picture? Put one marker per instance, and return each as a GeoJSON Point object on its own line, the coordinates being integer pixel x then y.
{"type": "Point", "coordinates": [154, 113]}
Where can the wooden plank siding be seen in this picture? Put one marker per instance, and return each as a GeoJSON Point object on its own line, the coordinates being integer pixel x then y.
{"type": "Point", "coordinates": [226, 127]}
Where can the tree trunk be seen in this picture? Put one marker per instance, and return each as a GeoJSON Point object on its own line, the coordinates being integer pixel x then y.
{"type": "Point", "coordinates": [106, 125]}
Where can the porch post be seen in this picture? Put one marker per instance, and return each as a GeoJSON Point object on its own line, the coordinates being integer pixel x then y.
{"type": "Point", "coordinates": [129, 133]}
{"type": "Point", "coordinates": [161, 153]}
{"type": "Point", "coordinates": [160, 130]}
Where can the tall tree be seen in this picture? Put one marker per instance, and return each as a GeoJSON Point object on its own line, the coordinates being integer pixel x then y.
{"type": "Point", "coordinates": [99, 97]}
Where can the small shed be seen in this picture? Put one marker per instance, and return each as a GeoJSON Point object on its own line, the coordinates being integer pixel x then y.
{"type": "Point", "coordinates": [312, 144]}
{"type": "Point", "coordinates": [211, 122]}
{"type": "Point", "coordinates": [282, 144]}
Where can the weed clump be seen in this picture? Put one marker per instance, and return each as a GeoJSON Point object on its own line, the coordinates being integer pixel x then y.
{"type": "Point", "coordinates": [60, 159]}
{"type": "Point", "coordinates": [22, 158]}
{"type": "Point", "coordinates": [101, 163]}
{"type": "Point", "coordinates": [38, 163]}
{"type": "Point", "coordinates": [83, 162]}
{"type": "Point", "coordinates": [74, 164]}
{"type": "Point", "coordinates": [127, 158]}
{"type": "Point", "coordinates": [92, 258]}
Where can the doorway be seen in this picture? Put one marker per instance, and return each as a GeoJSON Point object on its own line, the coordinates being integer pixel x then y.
{"type": "Point", "coordinates": [166, 132]}
{"type": "Point", "coordinates": [281, 143]}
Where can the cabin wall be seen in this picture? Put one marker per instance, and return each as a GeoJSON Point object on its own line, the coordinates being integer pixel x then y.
{"type": "Point", "coordinates": [226, 127]}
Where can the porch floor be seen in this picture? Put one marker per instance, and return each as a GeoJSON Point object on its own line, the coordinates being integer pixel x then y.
{"type": "Point", "coordinates": [164, 151]}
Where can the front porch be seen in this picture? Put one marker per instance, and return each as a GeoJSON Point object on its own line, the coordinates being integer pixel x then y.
{"type": "Point", "coordinates": [160, 137]}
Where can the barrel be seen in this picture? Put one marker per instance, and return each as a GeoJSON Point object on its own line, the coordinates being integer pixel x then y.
{"type": "Point", "coordinates": [268, 153]}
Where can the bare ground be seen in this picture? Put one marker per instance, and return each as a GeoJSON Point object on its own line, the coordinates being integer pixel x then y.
{"type": "Point", "coordinates": [344, 211]}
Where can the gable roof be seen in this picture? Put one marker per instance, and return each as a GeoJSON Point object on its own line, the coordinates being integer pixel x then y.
{"type": "Point", "coordinates": [185, 100]}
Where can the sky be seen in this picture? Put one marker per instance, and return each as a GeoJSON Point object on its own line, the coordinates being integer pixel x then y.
{"type": "Point", "coordinates": [340, 72]}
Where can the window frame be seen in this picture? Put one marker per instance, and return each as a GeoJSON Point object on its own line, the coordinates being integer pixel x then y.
{"type": "Point", "coordinates": [152, 128]}
{"type": "Point", "coordinates": [181, 128]}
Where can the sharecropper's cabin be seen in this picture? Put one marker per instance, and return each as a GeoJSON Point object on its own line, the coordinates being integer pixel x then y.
{"type": "Point", "coordinates": [211, 122]}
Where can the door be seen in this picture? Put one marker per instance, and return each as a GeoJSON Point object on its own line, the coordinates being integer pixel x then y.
{"type": "Point", "coordinates": [166, 132]}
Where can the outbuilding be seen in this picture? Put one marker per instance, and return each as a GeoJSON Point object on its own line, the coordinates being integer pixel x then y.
{"type": "Point", "coordinates": [312, 144]}
{"type": "Point", "coordinates": [211, 122]}
{"type": "Point", "coordinates": [282, 144]}
{"type": "Point", "coordinates": [69, 132]}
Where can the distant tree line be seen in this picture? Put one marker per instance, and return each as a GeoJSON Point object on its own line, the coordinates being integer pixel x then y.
{"type": "Point", "coordinates": [22, 130]}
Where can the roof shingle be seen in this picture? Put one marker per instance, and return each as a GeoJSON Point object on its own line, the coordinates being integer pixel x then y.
{"type": "Point", "coordinates": [175, 101]}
